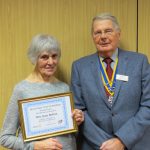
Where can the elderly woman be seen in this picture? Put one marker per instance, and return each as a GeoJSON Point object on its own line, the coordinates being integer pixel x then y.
{"type": "Point", "coordinates": [44, 53]}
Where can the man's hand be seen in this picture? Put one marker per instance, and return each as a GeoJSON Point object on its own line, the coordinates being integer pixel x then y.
{"type": "Point", "coordinates": [112, 144]}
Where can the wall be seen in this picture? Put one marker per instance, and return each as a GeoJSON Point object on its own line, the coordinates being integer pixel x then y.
{"type": "Point", "coordinates": [70, 22]}
{"type": "Point", "coordinates": [144, 27]}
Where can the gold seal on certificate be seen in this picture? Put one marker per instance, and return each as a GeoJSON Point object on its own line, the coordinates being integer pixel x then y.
{"type": "Point", "coordinates": [46, 116]}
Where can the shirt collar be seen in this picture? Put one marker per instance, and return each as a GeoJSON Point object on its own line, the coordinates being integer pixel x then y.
{"type": "Point", "coordinates": [113, 57]}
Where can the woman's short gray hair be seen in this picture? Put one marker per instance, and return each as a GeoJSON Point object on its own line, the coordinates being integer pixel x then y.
{"type": "Point", "coordinates": [107, 16]}
{"type": "Point", "coordinates": [41, 43]}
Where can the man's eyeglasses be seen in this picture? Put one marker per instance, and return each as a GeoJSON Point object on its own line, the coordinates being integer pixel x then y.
{"type": "Point", "coordinates": [107, 32]}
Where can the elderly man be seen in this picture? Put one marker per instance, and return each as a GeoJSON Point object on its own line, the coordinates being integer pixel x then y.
{"type": "Point", "coordinates": [112, 86]}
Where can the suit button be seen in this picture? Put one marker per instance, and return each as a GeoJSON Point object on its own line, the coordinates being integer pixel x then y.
{"type": "Point", "coordinates": [113, 114]}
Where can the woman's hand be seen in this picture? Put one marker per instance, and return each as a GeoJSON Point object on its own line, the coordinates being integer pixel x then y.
{"type": "Point", "coordinates": [48, 144]}
{"type": "Point", "coordinates": [78, 115]}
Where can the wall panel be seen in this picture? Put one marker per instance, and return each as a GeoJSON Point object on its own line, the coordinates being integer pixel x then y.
{"type": "Point", "coordinates": [144, 27]}
{"type": "Point", "coordinates": [68, 20]}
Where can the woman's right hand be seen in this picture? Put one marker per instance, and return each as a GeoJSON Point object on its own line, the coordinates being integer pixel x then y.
{"type": "Point", "coordinates": [48, 144]}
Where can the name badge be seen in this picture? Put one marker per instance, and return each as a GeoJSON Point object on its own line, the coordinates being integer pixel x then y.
{"type": "Point", "coordinates": [122, 77]}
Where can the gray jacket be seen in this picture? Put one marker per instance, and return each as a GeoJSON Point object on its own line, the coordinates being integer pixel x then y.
{"type": "Point", "coordinates": [129, 116]}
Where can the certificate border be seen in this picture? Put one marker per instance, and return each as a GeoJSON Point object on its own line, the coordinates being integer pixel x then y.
{"type": "Point", "coordinates": [22, 120]}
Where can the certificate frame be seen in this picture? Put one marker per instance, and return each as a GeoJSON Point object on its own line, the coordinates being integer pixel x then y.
{"type": "Point", "coordinates": [46, 116]}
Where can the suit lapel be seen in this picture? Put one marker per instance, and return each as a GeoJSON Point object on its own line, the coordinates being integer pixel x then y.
{"type": "Point", "coordinates": [97, 76]}
{"type": "Point", "coordinates": [122, 67]}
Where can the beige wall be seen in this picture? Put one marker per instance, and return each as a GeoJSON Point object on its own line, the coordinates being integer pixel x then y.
{"type": "Point", "coordinates": [144, 27]}
{"type": "Point", "coordinates": [70, 22]}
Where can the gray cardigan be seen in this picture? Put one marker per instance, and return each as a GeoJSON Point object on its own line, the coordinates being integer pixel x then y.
{"type": "Point", "coordinates": [11, 125]}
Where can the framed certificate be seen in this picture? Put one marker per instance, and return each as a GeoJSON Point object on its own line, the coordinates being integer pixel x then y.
{"type": "Point", "coordinates": [46, 116]}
